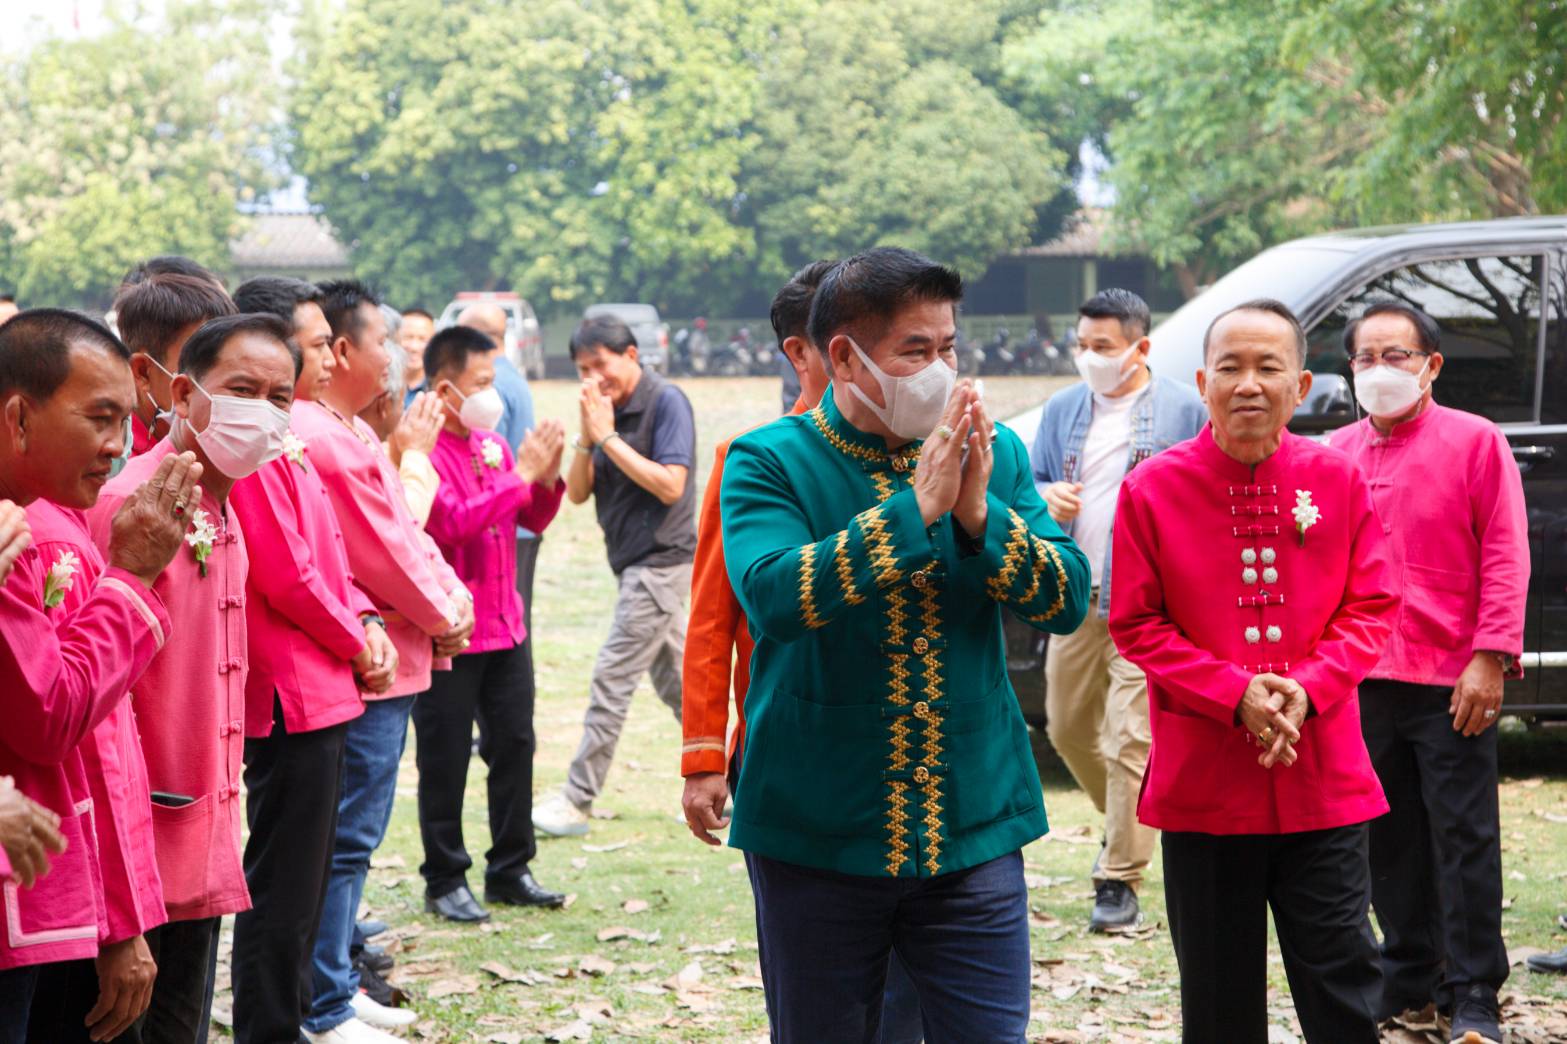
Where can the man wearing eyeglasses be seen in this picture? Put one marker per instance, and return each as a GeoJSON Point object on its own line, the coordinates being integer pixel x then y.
{"type": "Point", "coordinates": [1451, 501]}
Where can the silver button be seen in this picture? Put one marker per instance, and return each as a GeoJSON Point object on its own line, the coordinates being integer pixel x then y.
{"type": "Point", "coordinates": [1274, 633]}
{"type": "Point", "coordinates": [1270, 575]}
{"type": "Point", "coordinates": [1253, 636]}
{"type": "Point", "coordinates": [1249, 556]}
{"type": "Point", "coordinates": [1248, 575]}
{"type": "Point", "coordinates": [1269, 556]}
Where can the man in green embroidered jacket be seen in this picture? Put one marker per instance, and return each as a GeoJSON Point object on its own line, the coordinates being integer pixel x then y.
{"type": "Point", "coordinates": [888, 785]}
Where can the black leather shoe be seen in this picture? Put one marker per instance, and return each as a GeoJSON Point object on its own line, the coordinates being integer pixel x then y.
{"type": "Point", "coordinates": [457, 905]}
{"type": "Point", "coordinates": [1115, 907]}
{"type": "Point", "coordinates": [1476, 1018]}
{"type": "Point", "coordinates": [370, 929]}
{"type": "Point", "coordinates": [1556, 963]}
{"type": "Point", "coordinates": [520, 890]}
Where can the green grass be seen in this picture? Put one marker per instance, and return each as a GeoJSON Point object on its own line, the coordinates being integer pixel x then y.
{"type": "Point", "coordinates": [698, 909]}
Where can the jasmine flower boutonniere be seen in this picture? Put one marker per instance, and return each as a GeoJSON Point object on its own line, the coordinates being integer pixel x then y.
{"type": "Point", "coordinates": [202, 533]}
{"type": "Point", "coordinates": [294, 449]}
{"type": "Point", "coordinates": [61, 578]}
{"type": "Point", "coordinates": [492, 454]}
{"type": "Point", "coordinates": [1306, 514]}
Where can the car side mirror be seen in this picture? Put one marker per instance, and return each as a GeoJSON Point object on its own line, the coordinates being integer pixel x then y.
{"type": "Point", "coordinates": [1330, 404]}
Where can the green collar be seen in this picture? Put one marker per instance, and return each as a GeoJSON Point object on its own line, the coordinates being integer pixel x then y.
{"type": "Point", "coordinates": [870, 450]}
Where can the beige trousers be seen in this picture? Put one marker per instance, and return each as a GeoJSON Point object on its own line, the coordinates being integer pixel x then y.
{"type": "Point", "coordinates": [1097, 706]}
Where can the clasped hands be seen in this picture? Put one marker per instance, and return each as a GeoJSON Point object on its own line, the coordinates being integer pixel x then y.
{"type": "Point", "coordinates": [948, 479]}
{"type": "Point", "coordinates": [1272, 710]}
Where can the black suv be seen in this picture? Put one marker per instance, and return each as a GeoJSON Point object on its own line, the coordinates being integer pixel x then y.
{"type": "Point", "coordinates": [1498, 290]}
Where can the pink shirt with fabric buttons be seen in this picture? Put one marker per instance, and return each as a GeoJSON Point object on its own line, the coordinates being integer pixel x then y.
{"type": "Point", "coordinates": [65, 672]}
{"type": "Point", "coordinates": [191, 706]}
{"type": "Point", "coordinates": [478, 508]}
{"type": "Point", "coordinates": [394, 562]}
{"type": "Point", "coordinates": [302, 608]}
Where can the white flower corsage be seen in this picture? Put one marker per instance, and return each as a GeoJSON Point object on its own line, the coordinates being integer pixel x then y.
{"type": "Point", "coordinates": [61, 578]}
{"type": "Point", "coordinates": [202, 533]}
{"type": "Point", "coordinates": [294, 449]}
{"type": "Point", "coordinates": [492, 454]}
{"type": "Point", "coordinates": [1306, 514]}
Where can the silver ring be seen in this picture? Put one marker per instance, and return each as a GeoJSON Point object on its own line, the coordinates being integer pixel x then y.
{"type": "Point", "coordinates": [945, 431]}
{"type": "Point", "coordinates": [1489, 713]}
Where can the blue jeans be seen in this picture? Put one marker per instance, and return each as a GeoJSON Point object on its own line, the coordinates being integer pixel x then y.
{"type": "Point", "coordinates": [826, 937]}
{"type": "Point", "coordinates": [372, 751]}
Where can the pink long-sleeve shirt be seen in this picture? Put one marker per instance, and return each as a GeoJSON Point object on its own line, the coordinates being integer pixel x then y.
{"type": "Point", "coordinates": [111, 757]}
{"type": "Point", "coordinates": [478, 508]}
{"type": "Point", "coordinates": [61, 675]}
{"type": "Point", "coordinates": [191, 707]}
{"type": "Point", "coordinates": [302, 608]}
{"type": "Point", "coordinates": [1214, 586]}
{"type": "Point", "coordinates": [1450, 500]}
{"type": "Point", "coordinates": [389, 554]}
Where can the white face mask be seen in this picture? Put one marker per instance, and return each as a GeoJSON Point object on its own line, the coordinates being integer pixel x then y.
{"type": "Point", "coordinates": [1383, 391]}
{"type": "Point", "coordinates": [914, 403]}
{"type": "Point", "coordinates": [1103, 373]}
{"type": "Point", "coordinates": [482, 409]}
{"type": "Point", "coordinates": [159, 414]}
{"type": "Point", "coordinates": [242, 435]}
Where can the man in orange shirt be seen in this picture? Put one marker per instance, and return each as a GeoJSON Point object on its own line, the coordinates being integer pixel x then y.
{"type": "Point", "coordinates": [718, 643]}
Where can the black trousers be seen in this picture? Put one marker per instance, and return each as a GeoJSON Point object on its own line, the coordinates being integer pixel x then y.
{"type": "Point", "coordinates": [496, 688]}
{"type": "Point", "coordinates": [186, 953]}
{"type": "Point", "coordinates": [1218, 890]}
{"type": "Point", "coordinates": [295, 781]}
{"type": "Point", "coordinates": [17, 986]}
{"type": "Point", "coordinates": [1436, 857]}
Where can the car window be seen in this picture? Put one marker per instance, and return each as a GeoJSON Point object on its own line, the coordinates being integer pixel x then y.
{"type": "Point", "coordinates": [1488, 309]}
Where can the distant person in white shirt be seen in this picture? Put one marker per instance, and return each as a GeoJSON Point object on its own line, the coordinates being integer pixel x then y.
{"type": "Point", "coordinates": [1096, 702]}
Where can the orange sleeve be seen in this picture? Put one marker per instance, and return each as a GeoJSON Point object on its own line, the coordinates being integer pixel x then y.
{"type": "Point", "coordinates": [710, 641]}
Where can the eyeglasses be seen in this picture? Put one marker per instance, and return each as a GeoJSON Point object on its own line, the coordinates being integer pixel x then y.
{"type": "Point", "coordinates": [1393, 357]}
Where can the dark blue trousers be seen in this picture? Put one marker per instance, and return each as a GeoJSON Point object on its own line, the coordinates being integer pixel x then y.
{"type": "Point", "coordinates": [826, 938]}
{"type": "Point", "coordinates": [16, 1001]}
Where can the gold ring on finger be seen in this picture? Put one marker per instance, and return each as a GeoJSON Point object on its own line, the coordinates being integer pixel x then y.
{"type": "Point", "coordinates": [179, 507]}
{"type": "Point", "coordinates": [1266, 735]}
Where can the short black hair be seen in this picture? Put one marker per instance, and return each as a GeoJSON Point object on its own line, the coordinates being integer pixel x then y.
{"type": "Point", "coordinates": [1262, 304]}
{"type": "Point", "coordinates": [448, 351]}
{"type": "Point", "coordinates": [791, 310]}
{"type": "Point", "coordinates": [200, 354]}
{"type": "Point", "coordinates": [1116, 303]}
{"type": "Point", "coordinates": [604, 331]}
{"type": "Point", "coordinates": [151, 312]}
{"type": "Point", "coordinates": [417, 311]}
{"type": "Point", "coordinates": [872, 287]}
{"type": "Point", "coordinates": [35, 349]}
{"type": "Point", "coordinates": [7, 298]}
{"type": "Point", "coordinates": [169, 264]}
{"type": "Point", "coordinates": [340, 301]}
{"type": "Point", "coordinates": [1426, 331]}
{"type": "Point", "coordinates": [276, 295]}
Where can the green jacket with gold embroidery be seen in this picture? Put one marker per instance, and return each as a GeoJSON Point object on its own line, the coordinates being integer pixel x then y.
{"type": "Point", "coordinates": [883, 737]}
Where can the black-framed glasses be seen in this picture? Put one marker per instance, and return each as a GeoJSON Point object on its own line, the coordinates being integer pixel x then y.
{"type": "Point", "coordinates": [1396, 357]}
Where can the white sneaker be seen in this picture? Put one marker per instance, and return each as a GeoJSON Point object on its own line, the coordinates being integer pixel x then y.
{"type": "Point", "coordinates": [558, 817]}
{"type": "Point", "coordinates": [352, 1032]}
{"type": "Point", "coordinates": [367, 1009]}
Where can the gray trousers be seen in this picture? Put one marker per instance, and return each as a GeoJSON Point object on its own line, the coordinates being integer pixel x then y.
{"type": "Point", "coordinates": [647, 636]}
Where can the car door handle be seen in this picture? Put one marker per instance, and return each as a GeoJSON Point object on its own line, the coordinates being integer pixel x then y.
{"type": "Point", "coordinates": [1533, 452]}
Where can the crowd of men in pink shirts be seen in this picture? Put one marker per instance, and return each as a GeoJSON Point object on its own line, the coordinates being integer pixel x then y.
{"type": "Point", "coordinates": [218, 586]}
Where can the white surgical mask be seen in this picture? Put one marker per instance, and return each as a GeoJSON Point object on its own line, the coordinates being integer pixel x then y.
{"type": "Point", "coordinates": [914, 402]}
{"type": "Point", "coordinates": [117, 465]}
{"type": "Point", "coordinates": [242, 434]}
{"type": "Point", "coordinates": [160, 415]}
{"type": "Point", "coordinates": [1383, 391]}
{"type": "Point", "coordinates": [482, 409]}
{"type": "Point", "coordinates": [1103, 373]}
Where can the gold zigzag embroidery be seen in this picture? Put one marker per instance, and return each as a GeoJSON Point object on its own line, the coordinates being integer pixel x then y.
{"type": "Point", "coordinates": [840, 558]}
{"type": "Point", "coordinates": [898, 686]}
{"type": "Point", "coordinates": [897, 616]}
{"type": "Point", "coordinates": [898, 760]}
{"type": "Point", "coordinates": [1045, 551]}
{"type": "Point", "coordinates": [884, 486]}
{"type": "Point", "coordinates": [879, 546]}
{"type": "Point", "coordinates": [897, 827]}
{"type": "Point", "coordinates": [1011, 558]}
{"type": "Point", "coordinates": [932, 822]}
{"type": "Point", "coordinates": [808, 587]}
{"type": "Point", "coordinates": [842, 445]}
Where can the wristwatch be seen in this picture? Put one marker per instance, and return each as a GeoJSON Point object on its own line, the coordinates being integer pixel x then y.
{"type": "Point", "coordinates": [372, 618]}
{"type": "Point", "coordinates": [582, 445]}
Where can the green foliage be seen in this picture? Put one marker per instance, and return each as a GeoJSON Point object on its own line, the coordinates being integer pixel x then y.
{"type": "Point", "coordinates": [687, 152]}
{"type": "Point", "coordinates": [131, 143]}
{"type": "Point", "coordinates": [1234, 124]}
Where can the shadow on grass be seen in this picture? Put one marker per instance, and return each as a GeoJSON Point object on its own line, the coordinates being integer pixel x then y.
{"type": "Point", "coordinates": [1533, 751]}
